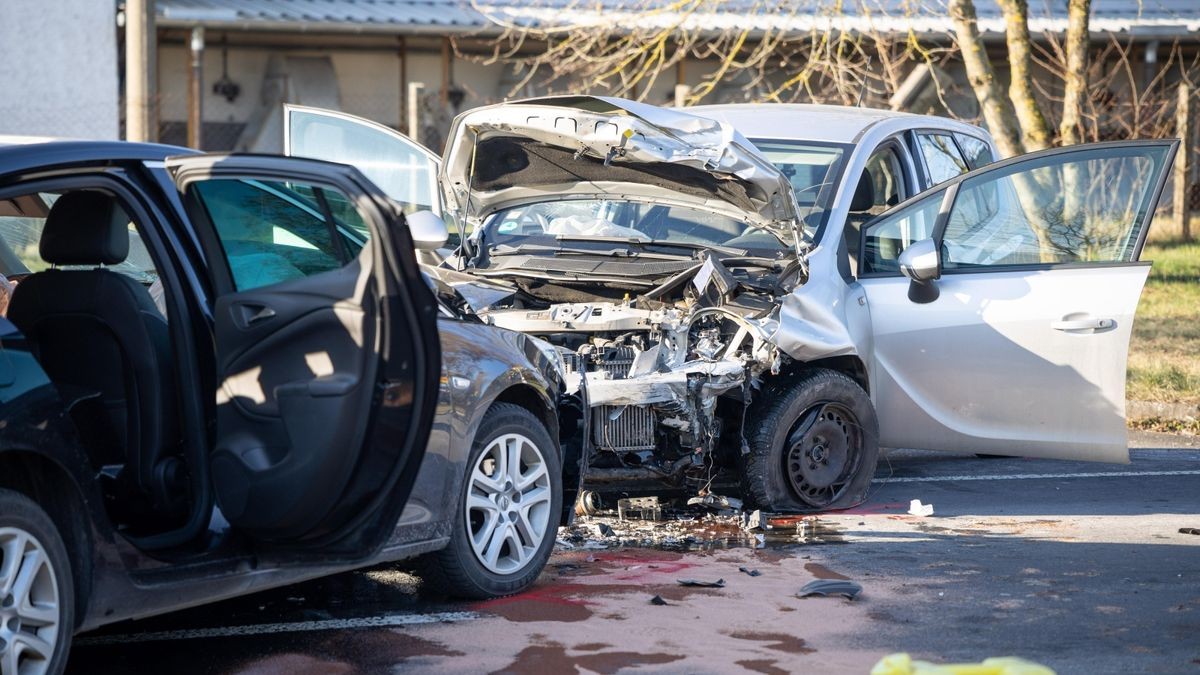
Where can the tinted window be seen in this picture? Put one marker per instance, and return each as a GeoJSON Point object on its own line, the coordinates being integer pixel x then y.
{"type": "Point", "coordinates": [942, 159]}
{"type": "Point", "coordinates": [275, 231]}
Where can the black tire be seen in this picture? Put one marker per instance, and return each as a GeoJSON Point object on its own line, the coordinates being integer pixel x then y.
{"type": "Point", "coordinates": [19, 512]}
{"type": "Point", "coordinates": [456, 570]}
{"type": "Point", "coordinates": [840, 446]}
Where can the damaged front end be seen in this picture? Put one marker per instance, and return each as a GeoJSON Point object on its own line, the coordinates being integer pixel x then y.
{"type": "Point", "coordinates": [657, 252]}
{"type": "Point", "coordinates": [667, 381]}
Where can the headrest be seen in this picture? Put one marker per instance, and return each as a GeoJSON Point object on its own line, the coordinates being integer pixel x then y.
{"type": "Point", "coordinates": [864, 194]}
{"type": "Point", "coordinates": [85, 228]}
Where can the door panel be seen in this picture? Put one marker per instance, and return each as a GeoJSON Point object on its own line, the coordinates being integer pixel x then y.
{"type": "Point", "coordinates": [983, 368]}
{"type": "Point", "coordinates": [1023, 350]}
{"type": "Point", "coordinates": [405, 170]}
{"type": "Point", "coordinates": [324, 402]}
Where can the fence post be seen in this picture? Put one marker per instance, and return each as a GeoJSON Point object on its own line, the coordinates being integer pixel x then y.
{"type": "Point", "coordinates": [1183, 163]}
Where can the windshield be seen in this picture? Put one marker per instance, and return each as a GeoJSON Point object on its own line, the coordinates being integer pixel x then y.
{"type": "Point", "coordinates": [813, 170]}
{"type": "Point", "coordinates": [623, 219]}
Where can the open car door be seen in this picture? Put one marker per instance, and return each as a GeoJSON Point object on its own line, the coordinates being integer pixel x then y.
{"type": "Point", "coordinates": [404, 169]}
{"type": "Point", "coordinates": [1011, 333]}
{"type": "Point", "coordinates": [326, 349]}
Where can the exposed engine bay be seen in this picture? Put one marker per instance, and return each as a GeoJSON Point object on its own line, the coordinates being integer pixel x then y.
{"type": "Point", "coordinates": [668, 375]}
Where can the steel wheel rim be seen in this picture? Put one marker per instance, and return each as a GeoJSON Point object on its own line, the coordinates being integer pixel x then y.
{"type": "Point", "coordinates": [508, 504]}
{"type": "Point", "coordinates": [824, 450]}
{"type": "Point", "coordinates": [29, 605]}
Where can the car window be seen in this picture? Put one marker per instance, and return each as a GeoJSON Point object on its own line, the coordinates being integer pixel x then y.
{"type": "Point", "coordinates": [625, 219]}
{"type": "Point", "coordinates": [942, 158]}
{"type": "Point", "coordinates": [976, 152]}
{"type": "Point", "coordinates": [887, 178]}
{"type": "Point", "coordinates": [886, 238]}
{"type": "Point", "coordinates": [22, 220]}
{"type": "Point", "coordinates": [1084, 206]}
{"type": "Point", "coordinates": [397, 165]}
{"type": "Point", "coordinates": [274, 231]}
{"type": "Point", "coordinates": [813, 170]}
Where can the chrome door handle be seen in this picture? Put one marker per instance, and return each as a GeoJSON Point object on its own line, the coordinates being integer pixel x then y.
{"type": "Point", "coordinates": [1083, 324]}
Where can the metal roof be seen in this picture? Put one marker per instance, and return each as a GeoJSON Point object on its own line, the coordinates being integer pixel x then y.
{"type": "Point", "coordinates": [1167, 18]}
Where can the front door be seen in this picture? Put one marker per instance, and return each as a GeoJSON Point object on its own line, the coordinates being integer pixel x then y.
{"type": "Point", "coordinates": [326, 347]}
{"type": "Point", "coordinates": [1022, 349]}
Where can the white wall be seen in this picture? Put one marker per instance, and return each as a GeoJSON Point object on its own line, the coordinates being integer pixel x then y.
{"type": "Point", "coordinates": [59, 68]}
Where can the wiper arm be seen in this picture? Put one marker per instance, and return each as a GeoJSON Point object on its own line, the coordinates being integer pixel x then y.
{"type": "Point", "coordinates": [727, 250]}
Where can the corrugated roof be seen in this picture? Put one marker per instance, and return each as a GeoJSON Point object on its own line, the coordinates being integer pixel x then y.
{"type": "Point", "coordinates": [1151, 17]}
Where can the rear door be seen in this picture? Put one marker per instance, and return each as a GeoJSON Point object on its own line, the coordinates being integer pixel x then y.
{"type": "Point", "coordinates": [404, 169]}
{"type": "Point", "coordinates": [326, 349]}
{"type": "Point", "coordinates": [1023, 350]}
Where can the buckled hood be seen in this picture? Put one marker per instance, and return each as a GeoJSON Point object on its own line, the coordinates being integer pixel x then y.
{"type": "Point", "coordinates": [569, 147]}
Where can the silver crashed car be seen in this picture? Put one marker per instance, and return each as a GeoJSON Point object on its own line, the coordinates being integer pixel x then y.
{"type": "Point", "coordinates": [724, 309]}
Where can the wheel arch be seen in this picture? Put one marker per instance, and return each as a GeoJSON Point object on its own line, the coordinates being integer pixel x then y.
{"type": "Point", "coordinates": [533, 400]}
{"type": "Point", "coordinates": [849, 365]}
{"type": "Point", "coordinates": [52, 487]}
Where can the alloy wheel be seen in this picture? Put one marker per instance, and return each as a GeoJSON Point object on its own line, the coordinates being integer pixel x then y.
{"type": "Point", "coordinates": [29, 605]}
{"type": "Point", "coordinates": [508, 504]}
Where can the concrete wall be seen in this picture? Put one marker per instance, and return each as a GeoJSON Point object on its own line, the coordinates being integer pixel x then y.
{"type": "Point", "coordinates": [59, 73]}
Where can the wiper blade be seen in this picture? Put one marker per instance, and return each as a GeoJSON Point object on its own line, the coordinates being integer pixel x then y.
{"type": "Point", "coordinates": [525, 249]}
{"type": "Point", "coordinates": [728, 250]}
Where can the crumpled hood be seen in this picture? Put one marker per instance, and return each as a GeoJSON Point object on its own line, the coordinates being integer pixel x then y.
{"type": "Point", "coordinates": [594, 146]}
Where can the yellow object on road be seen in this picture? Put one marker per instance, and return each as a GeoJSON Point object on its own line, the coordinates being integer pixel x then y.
{"type": "Point", "coordinates": [903, 664]}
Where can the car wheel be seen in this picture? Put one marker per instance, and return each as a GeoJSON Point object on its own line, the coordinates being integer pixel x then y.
{"type": "Point", "coordinates": [507, 513]}
{"type": "Point", "coordinates": [813, 444]}
{"type": "Point", "coordinates": [37, 601]}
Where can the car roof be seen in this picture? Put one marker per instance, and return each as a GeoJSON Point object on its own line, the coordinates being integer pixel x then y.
{"type": "Point", "coordinates": [811, 121]}
{"type": "Point", "coordinates": [20, 157]}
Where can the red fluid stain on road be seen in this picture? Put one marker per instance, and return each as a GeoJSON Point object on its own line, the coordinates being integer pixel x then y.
{"type": "Point", "coordinates": [553, 658]}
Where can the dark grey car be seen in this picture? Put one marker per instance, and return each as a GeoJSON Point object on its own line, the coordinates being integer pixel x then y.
{"type": "Point", "coordinates": [223, 374]}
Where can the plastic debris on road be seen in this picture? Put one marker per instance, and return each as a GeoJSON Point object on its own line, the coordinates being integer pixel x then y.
{"type": "Point", "coordinates": [719, 583]}
{"type": "Point", "coordinates": [916, 508]}
{"type": "Point", "coordinates": [903, 664]}
{"type": "Point", "coordinates": [658, 600]}
{"type": "Point", "coordinates": [826, 587]}
{"type": "Point", "coordinates": [750, 572]}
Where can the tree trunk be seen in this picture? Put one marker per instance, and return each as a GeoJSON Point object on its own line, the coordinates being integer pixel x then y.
{"type": "Point", "coordinates": [1036, 132]}
{"type": "Point", "coordinates": [997, 109]}
{"type": "Point", "coordinates": [1069, 130]}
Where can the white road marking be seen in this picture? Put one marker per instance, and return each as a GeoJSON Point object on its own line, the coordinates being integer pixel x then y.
{"type": "Point", "coordinates": [1035, 476]}
{"type": "Point", "coordinates": [385, 621]}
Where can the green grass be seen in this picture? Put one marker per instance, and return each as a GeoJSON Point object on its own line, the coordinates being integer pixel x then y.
{"type": "Point", "coordinates": [1164, 355]}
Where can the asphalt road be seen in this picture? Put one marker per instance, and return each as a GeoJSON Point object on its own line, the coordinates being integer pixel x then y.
{"type": "Point", "coordinates": [1080, 567]}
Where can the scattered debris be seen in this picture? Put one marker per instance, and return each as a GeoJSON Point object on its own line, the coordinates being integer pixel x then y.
{"type": "Point", "coordinates": [749, 572]}
{"type": "Point", "coordinates": [827, 587]}
{"type": "Point", "coordinates": [719, 583]}
{"type": "Point", "coordinates": [722, 504]}
{"type": "Point", "coordinates": [916, 508]}
{"type": "Point", "coordinates": [605, 530]}
{"type": "Point", "coordinates": [658, 600]}
{"type": "Point", "coordinates": [588, 504]}
{"type": "Point", "coordinates": [755, 521]}
{"type": "Point", "coordinates": [564, 544]}
{"type": "Point", "coordinates": [639, 508]}
{"type": "Point", "coordinates": [1189, 530]}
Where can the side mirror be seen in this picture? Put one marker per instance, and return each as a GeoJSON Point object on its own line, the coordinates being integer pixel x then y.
{"type": "Point", "coordinates": [921, 263]}
{"type": "Point", "coordinates": [428, 230]}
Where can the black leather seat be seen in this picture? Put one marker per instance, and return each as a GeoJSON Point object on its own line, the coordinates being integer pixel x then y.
{"type": "Point", "coordinates": [99, 331]}
{"type": "Point", "coordinates": [860, 212]}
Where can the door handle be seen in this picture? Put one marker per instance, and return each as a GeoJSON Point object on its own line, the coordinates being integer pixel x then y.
{"type": "Point", "coordinates": [252, 313]}
{"type": "Point", "coordinates": [1090, 323]}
